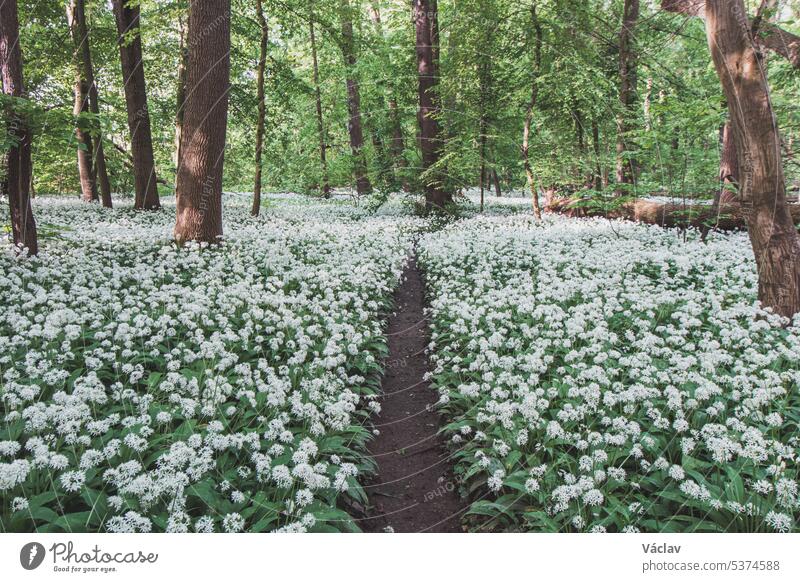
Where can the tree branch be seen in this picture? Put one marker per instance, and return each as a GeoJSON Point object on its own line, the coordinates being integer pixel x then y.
{"type": "Point", "coordinates": [770, 36]}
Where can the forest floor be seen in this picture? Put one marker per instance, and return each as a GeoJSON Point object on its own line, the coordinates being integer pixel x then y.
{"type": "Point", "coordinates": [414, 490]}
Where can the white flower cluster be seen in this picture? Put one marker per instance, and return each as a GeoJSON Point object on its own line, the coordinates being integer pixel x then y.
{"type": "Point", "coordinates": [145, 387]}
{"type": "Point", "coordinates": [617, 376]}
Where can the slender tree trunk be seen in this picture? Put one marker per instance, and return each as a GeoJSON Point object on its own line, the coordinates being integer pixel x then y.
{"type": "Point", "coordinates": [199, 189]}
{"type": "Point", "coordinates": [323, 146]}
{"type": "Point", "coordinates": [496, 179]}
{"type": "Point", "coordinates": [82, 135]}
{"type": "Point", "coordinates": [18, 158]}
{"type": "Point", "coordinates": [628, 62]}
{"type": "Point", "coordinates": [354, 128]}
{"type": "Point", "coordinates": [180, 92]}
{"type": "Point", "coordinates": [377, 122]}
{"type": "Point", "coordinates": [598, 171]}
{"type": "Point", "coordinates": [484, 88]}
{"type": "Point", "coordinates": [762, 189]}
{"type": "Point", "coordinates": [526, 132]}
{"type": "Point", "coordinates": [398, 146]}
{"type": "Point", "coordinates": [427, 37]}
{"type": "Point", "coordinates": [262, 108]}
{"type": "Point", "coordinates": [80, 36]}
{"type": "Point", "coordinates": [130, 52]}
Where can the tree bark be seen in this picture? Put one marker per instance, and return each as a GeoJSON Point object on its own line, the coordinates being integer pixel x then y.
{"type": "Point", "coordinates": [426, 22]}
{"type": "Point", "coordinates": [323, 146]}
{"type": "Point", "coordinates": [526, 132]}
{"type": "Point", "coordinates": [180, 92]}
{"type": "Point", "coordinates": [82, 135]}
{"type": "Point", "coordinates": [762, 189]}
{"type": "Point", "coordinates": [354, 128]}
{"type": "Point", "coordinates": [262, 113]}
{"type": "Point", "coordinates": [18, 158]}
{"type": "Point", "coordinates": [199, 187]}
{"type": "Point", "coordinates": [628, 62]}
{"type": "Point", "coordinates": [130, 52]}
{"type": "Point", "coordinates": [598, 170]}
{"type": "Point", "coordinates": [76, 12]}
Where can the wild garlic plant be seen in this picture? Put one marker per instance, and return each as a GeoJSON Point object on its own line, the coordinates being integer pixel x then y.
{"type": "Point", "coordinates": [225, 388]}
{"type": "Point", "coordinates": [603, 376]}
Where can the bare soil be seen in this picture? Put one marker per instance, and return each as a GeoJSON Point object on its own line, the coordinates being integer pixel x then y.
{"type": "Point", "coordinates": [414, 490]}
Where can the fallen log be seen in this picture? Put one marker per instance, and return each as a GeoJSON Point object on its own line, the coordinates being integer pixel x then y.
{"type": "Point", "coordinates": [666, 214]}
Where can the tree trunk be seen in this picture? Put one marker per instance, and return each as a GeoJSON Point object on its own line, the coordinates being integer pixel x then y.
{"type": "Point", "coordinates": [18, 158]}
{"type": "Point", "coordinates": [82, 135]}
{"type": "Point", "coordinates": [496, 179]}
{"type": "Point", "coordinates": [262, 65]}
{"type": "Point", "coordinates": [526, 132]}
{"type": "Point", "coordinates": [398, 146]}
{"type": "Point", "coordinates": [130, 52]}
{"type": "Point", "coordinates": [199, 188]}
{"type": "Point", "coordinates": [598, 171]}
{"type": "Point", "coordinates": [427, 35]}
{"type": "Point", "coordinates": [180, 93]}
{"type": "Point", "coordinates": [728, 177]}
{"type": "Point", "coordinates": [363, 185]}
{"type": "Point", "coordinates": [76, 12]}
{"type": "Point", "coordinates": [628, 61]}
{"type": "Point", "coordinates": [762, 190]}
{"type": "Point", "coordinates": [323, 146]}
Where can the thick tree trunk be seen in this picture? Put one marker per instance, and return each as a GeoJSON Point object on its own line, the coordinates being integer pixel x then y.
{"type": "Point", "coordinates": [262, 113]}
{"type": "Point", "coordinates": [728, 175]}
{"type": "Point", "coordinates": [323, 146]}
{"type": "Point", "coordinates": [18, 158]}
{"type": "Point", "coordinates": [130, 52]}
{"type": "Point", "coordinates": [76, 12]}
{"type": "Point", "coordinates": [526, 132]}
{"type": "Point", "coordinates": [762, 190]}
{"type": "Point", "coordinates": [628, 62]}
{"type": "Point", "coordinates": [427, 37]}
{"type": "Point", "coordinates": [180, 92]}
{"type": "Point", "coordinates": [199, 188]}
{"type": "Point", "coordinates": [354, 128]}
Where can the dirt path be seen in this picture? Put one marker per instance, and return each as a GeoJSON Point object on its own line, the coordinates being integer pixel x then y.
{"type": "Point", "coordinates": [414, 490]}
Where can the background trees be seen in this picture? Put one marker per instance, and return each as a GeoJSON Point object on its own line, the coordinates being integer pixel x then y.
{"type": "Point", "coordinates": [555, 97]}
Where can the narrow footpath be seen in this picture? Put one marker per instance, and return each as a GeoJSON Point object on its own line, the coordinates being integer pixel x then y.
{"type": "Point", "coordinates": [414, 490]}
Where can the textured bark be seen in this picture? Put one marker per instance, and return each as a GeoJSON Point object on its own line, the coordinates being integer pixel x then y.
{"type": "Point", "coordinates": [130, 52]}
{"type": "Point", "coordinates": [769, 36]}
{"type": "Point", "coordinates": [199, 188]}
{"type": "Point", "coordinates": [762, 189]}
{"type": "Point", "coordinates": [82, 136]}
{"type": "Point", "coordinates": [180, 91]}
{"type": "Point", "coordinates": [76, 13]}
{"type": "Point", "coordinates": [323, 146]}
{"type": "Point", "coordinates": [427, 38]}
{"type": "Point", "coordinates": [354, 128]}
{"type": "Point", "coordinates": [526, 131]}
{"type": "Point", "coordinates": [628, 63]}
{"type": "Point", "coordinates": [262, 113]}
{"type": "Point", "coordinates": [728, 176]}
{"type": "Point", "coordinates": [18, 158]}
